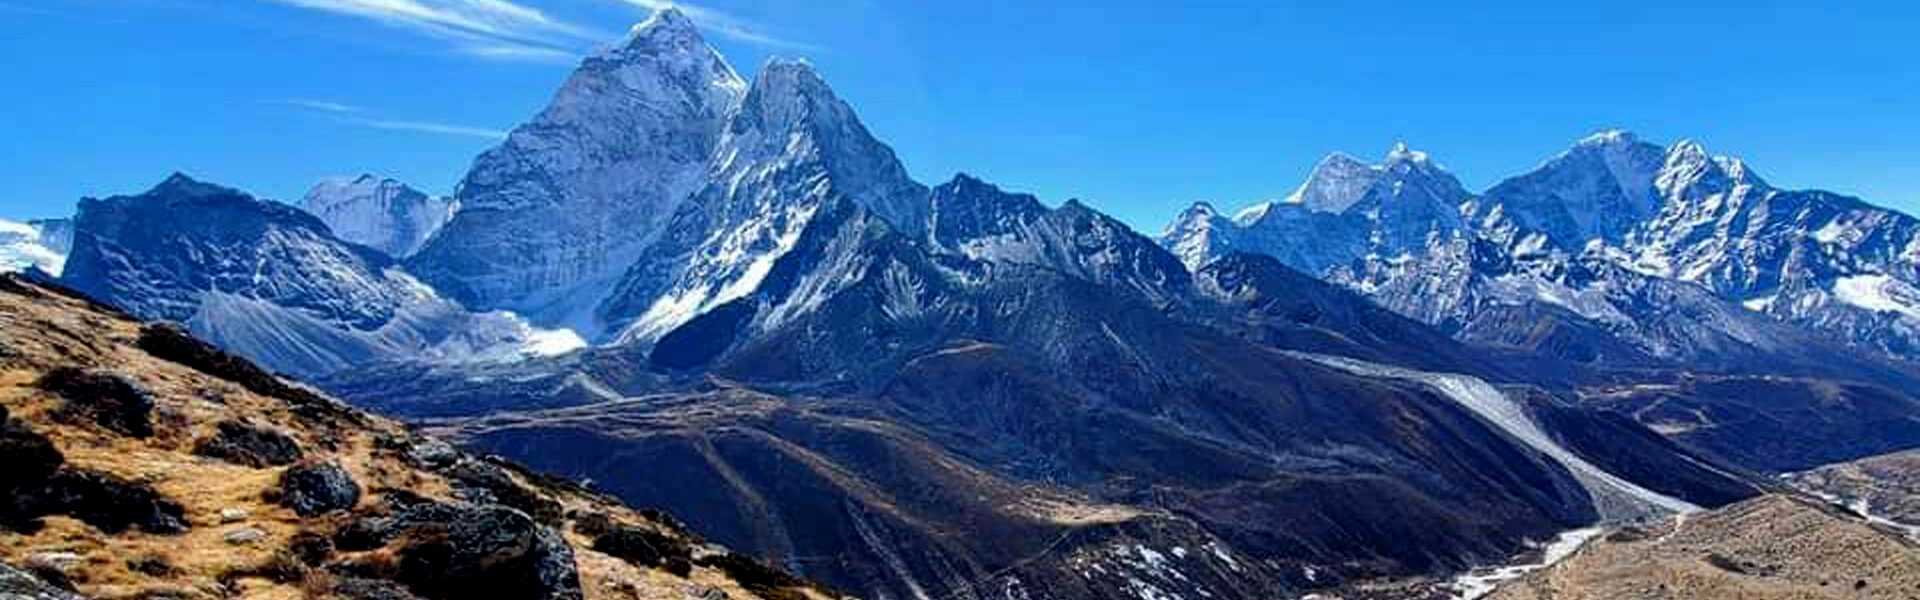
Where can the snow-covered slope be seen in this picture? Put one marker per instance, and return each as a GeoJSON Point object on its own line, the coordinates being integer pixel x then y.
{"type": "Point", "coordinates": [272, 283]}
{"type": "Point", "coordinates": [379, 213]}
{"type": "Point", "coordinates": [1599, 189]}
{"type": "Point", "coordinates": [792, 148]}
{"type": "Point", "coordinates": [39, 245]}
{"type": "Point", "coordinates": [551, 218]}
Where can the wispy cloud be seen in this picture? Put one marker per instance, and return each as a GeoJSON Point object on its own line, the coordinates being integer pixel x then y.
{"type": "Point", "coordinates": [431, 127]}
{"type": "Point", "coordinates": [323, 106]}
{"type": "Point", "coordinates": [727, 26]}
{"type": "Point", "coordinates": [354, 115]}
{"type": "Point", "coordinates": [498, 29]}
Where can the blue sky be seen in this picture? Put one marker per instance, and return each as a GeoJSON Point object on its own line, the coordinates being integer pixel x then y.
{"type": "Point", "coordinates": [1135, 107]}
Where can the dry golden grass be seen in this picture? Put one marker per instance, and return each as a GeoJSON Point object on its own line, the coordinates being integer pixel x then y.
{"type": "Point", "coordinates": [41, 331]}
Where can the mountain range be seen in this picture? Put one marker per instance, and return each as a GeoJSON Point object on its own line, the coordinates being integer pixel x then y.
{"type": "Point", "coordinates": [728, 299]}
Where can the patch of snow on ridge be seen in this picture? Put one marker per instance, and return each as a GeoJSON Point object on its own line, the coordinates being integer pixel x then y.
{"type": "Point", "coordinates": [1879, 293]}
{"type": "Point", "coordinates": [24, 245]}
{"type": "Point", "coordinates": [1480, 582]}
{"type": "Point", "coordinates": [1616, 499]}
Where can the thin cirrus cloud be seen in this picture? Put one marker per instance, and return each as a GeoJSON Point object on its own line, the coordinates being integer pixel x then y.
{"type": "Point", "coordinates": [506, 30]}
{"type": "Point", "coordinates": [354, 115]}
{"type": "Point", "coordinates": [497, 29]}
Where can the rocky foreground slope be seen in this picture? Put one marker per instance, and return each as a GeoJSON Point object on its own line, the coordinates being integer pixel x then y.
{"type": "Point", "coordinates": [1767, 548]}
{"type": "Point", "coordinates": [141, 463]}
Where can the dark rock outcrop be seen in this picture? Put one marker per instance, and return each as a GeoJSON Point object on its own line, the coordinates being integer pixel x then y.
{"type": "Point", "coordinates": [463, 550]}
{"type": "Point", "coordinates": [17, 584]}
{"type": "Point", "coordinates": [110, 504]}
{"type": "Point", "coordinates": [35, 484]}
{"type": "Point", "coordinates": [643, 547]}
{"type": "Point", "coordinates": [318, 488]}
{"type": "Point", "coordinates": [110, 400]}
{"type": "Point", "coordinates": [244, 444]}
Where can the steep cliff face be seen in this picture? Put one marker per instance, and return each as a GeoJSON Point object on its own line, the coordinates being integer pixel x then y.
{"type": "Point", "coordinates": [271, 282]}
{"type": "Point", "coordinates": [793, 152]}
{"type": "Point", "coordinates": [379, 213]}
{"type": "Point", "coordinates": [551, 218]}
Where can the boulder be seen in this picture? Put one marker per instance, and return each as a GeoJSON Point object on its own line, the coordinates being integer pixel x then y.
{"type": "Point", "coordinates": [465, 550]}
{"type": "Point", "coordinates": [317, 488]}
{"type": "Point", "coordinates": [355, 588]}
{"type": "Point", "coordinates": [30, 457]}
{"type": "Point", "coordinates": [108, 503]}
{"type": "Point", "coordinates": [18, 584]}
{"type": "Point", "coordinates": [244, 444]}
{"type": "Point", "coordinates": [245, 536]}
{"type": "Point", "coordinates": [643, 547]}
{"type": "Point", "coordinates": [109, 399]}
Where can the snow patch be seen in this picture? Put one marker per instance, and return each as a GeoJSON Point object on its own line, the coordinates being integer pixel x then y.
{"type": "Point", "coordinates": [1879, 293]}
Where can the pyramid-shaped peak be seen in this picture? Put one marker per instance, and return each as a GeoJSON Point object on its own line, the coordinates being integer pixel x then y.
{"type": "Point", "coordinates": [1609, 137]}
{"type": "Point", "coordinates": [666, 23]}
{"type": "Point", "coordinates": [781, 69]}
{"type": "Point", "coordinates": [181, 184]}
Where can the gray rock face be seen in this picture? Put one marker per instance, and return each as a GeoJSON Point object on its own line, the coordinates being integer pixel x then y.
{"type": "Point", "coordinates": [379, 213]}
{"type": "Point", "coordinates": [318, 488]}
{"type": "Point", "coordinates": [1602, 188]}
{"type": "Point", "coordinates": [551, 217]}
{"type": "Point", "coordinates": [974, 219]}
{"type": "Point", "coordinates": [267, 281]}
{"type": "Point", "coordinates": [17, 584]}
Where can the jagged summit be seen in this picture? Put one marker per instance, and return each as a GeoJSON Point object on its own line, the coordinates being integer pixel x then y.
{"type": "Point", "coordinates": [1400, 153]}
{"type": "Point", "coordinates": [668, 28]}
{"type": "Point", "coordinates": [379, 212]}
{"type": "Point", "coordinates": [181, 184]}
{"type": "Point", "coordinates": [1335, 183]}
{"type": "Point", "coordinates": [1609, 137]}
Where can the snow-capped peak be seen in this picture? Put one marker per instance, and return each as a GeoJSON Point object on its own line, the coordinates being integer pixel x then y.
{"type": "Point", "coordinates": [1401, 154]}
{"type": "Point", "coordinates": [1252, 214]}
{"type": "Point", "coordinates": [1609, 138]}
{"type": "Point", "coordinates": [668, 27]}
{"type": "Point", "coordinates": [378, 212]}
{"type": "Point", "coordinates": [1689, 170]}
{"type": "Point", "coordinates": [1336, 182]}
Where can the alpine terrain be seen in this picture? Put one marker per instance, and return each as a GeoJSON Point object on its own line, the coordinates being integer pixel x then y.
{"type": "Point", "coordinates": [726, 299]}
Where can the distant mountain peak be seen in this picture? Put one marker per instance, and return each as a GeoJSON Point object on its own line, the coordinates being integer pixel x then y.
{"type": "Point", "coordinates": [1609, 137]}
{"type": "Point", "coordinates": [667, 26]}
{"type": "Point", "coordinates": [1400, 153]}
{"type": "Point", "coordinates": [180, 183]}
{"type": "Point", "coordinates": [1336, 182]}
{"type": "Point", "coordinates": [1199, 208]}
{"type": "Point", "coordinates": [379, 212]}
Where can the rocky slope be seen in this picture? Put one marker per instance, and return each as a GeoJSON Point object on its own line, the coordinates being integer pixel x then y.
{"type": "Point", "coordinates": [378, 213]}
{"type": "Point", "coordinates": [144, 463]}
{"type": "Point", "coordinates": [1766, 548]}
{"type": "Point", "coordinates": [1884, 487]}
